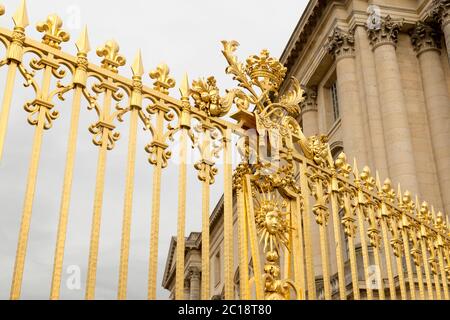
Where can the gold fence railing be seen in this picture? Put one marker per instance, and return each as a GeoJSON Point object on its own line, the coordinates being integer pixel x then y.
{"type": "Point", "coordinates": [290, 193]}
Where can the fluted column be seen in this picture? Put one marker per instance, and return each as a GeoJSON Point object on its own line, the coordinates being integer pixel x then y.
{"type": "Point", "coordinates": [194, 276]}
{"type": "Point", "coordinates": [397, 133]}
{"type": "Point", "coordinates": [310, 112]}
{"type": "Point", "coordinates": [426, 42]}
{"type": "Point", "coordinates": [369, 82]}
{"type": "Point", "coordinates": [341, 46]}
{"type": "Point", "coordinates": [441, 13]}
{"type": "Point", "coordinates": [187, 292]}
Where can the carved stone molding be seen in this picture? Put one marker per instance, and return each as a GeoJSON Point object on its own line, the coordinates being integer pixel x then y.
{"type": "Point", "coordinates": [385, 32]}
{"type": "Point", "coordinates": [440, 12]}
{"type": "Point", "coordinates": [310, 99]}
{"type": "Point", "coordinates": [424, 37]}
{"type": "Point", "coordinates": [341, 44]}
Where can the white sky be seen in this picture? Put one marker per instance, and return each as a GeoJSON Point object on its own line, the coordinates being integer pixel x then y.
{"type": "Point", "coordinates": [184, 34]}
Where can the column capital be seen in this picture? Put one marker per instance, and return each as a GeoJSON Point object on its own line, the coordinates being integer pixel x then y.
{"type": "Point", "coordinates": [440, 12]}
{"type": "Point", "coordinates": [309, 102]}
{"type": "Point", "coordinates": [385, 31]}
{"type": "Point", "coordinates": [194, 273]}
{"type": "Point", "coordinates": [341, 44]}
{"type": "Point", "coordinates": [424, 37]}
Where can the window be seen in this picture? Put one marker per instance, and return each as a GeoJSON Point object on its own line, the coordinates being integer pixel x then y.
{"type": "Point", "coordinates": [217, 269]}
{"type": "Point", "coordinates": [335, 101]}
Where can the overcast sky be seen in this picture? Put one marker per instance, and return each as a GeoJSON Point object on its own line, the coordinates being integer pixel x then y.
{"type": "Point", "coordinates": [184, 34]}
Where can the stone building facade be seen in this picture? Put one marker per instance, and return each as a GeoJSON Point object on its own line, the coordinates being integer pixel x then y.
{"type": "Point", "coordinates": [376, 76]}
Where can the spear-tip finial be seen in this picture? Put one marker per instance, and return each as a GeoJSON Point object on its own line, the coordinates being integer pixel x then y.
{"type": "Point", "coordinates": [138, 67]}
{"type": "Point", "coordinates": [20, 18]}
{"type": "Point", "coordinates": [355, 168]}
{"type": "Point", "coordinates": [399, 194]}
{"type": "Point", "coordinates": [377, 179]}
{"type": "Point", "coordinates": [82, 43]}
{"type": "Point", "coordinates": [184, 88]}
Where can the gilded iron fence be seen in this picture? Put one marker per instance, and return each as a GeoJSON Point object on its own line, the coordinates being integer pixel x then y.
{"type": "Point", "coordinates": [291, 195]}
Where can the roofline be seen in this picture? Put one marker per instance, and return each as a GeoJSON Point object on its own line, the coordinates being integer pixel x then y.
{"type": "Point", "coordinates": [306, 13]}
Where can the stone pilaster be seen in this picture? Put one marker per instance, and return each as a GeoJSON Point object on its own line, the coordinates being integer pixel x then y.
{"type": "Point", "coordinates": [440, 12]}
{"type": "Point", "coordinates": [426, 42]}
{"type": "Point", "coordinates": [341, 46]}
{"type": "Point", "coordinates": [397, 133]}
{"type": "Point", "coordinates": [309, 113]}
{"type": "Point", "coordinates": [194, 277]}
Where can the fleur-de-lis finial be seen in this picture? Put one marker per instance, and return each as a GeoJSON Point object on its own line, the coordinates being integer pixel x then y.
{"type": "Point", "coordinates": [111, 57]}
{"type": "Point", "coordinates": [82, 43]}
{"type": "Point", "coordinates": [54, 35]}
{"type": "Point", "coordinates": [163, 82]}
{"type": "Point", "coordinates": [20, 18]}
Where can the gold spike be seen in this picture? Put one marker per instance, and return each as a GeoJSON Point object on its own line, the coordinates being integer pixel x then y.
{"type": "Point", "coordinates": [184, 88]}
{"type": "Point", "coordinates": [20, 18]}
{"type": "Point", "coordinates": [355, 169]}
{"type": "Point", "coordinates": [433, 215]}
{"type": "Point", "coordinates": [138, 66]}
{"type": "Point", "coordinates": [399, 194]}
{"type": "Point", "coordinates": [82, 43]}
{"type": "Point", "coordinates": [378, 182]}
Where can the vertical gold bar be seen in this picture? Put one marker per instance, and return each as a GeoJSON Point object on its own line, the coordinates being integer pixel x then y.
{"type": "Point", "coordinates": [412, 285]}
{"type": "Point", "coordinates": [387, 255]}
{"type": "Point", "coordinates": [298, 248]}
{"type": "Point", "coordinates": [321, 218]}
{"type": "Point", "coordinates": [66, 193]}
{"type": "Point", "coordinates": [338, 245]}
{"type": "Point", "coordinates": [156, 205]}
{"type": "Point", "coordinates": [423, 247]}
{"type": "Point", "coordinates": [437, 283]}
{"type": "Point", "coordinates": [443, 273]}
{"type": "Point", "coordinates": [98, 204]}
{"type": "Point", "coordinates": [6, 105]}
{"type": "Point", "coordinates": [253, 239]}
{"type": "Point", "coordinates": [446, 257]}
{"type": "Point", "coordinates": [179, 277]}
{"type": "Point", "coordinates": [414, 237]}
{"type": "Point", "coordinates": [243, 247]}
{"type": "Point", "coordinates": [351, 247]}
{"type": "Point", "coordinates": [205, 234]}
{"type": "Point", "coordinates": [398, 260]}
{"type": "Point", "coordinates": [29, 193]}
{"type": "Point", "coordinates": [310, 277]}
{"type": "Point", "coordinates": [376, 252]}
{"type": "Point", "coordinates": [365, 253]}
{"type": "Point", "coordinates": [128, 204]}
{"type": "Point", "coordinates": [228, 218]}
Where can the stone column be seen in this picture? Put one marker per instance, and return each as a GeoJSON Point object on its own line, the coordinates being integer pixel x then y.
{"type": "Point", "coordinates": [187, 292]}
{"type": "Point", "coordinates": [341, 46]}
{"type": "Point", "coordinates": [399, 148]}
{"type": "Point", "coordinates": [426, 42]}
{"type": "Point", "coordinates": [440, 12]}
{"type": "Point", "coordinates": [194, 276]}
{"type": "Point", "coordinates": [369, 79]}
{"type": "Point", "coordinates": [309, 114]}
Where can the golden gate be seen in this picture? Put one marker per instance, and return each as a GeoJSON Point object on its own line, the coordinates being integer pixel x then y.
{"type": "Point", "coordinates": [284, 184]}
